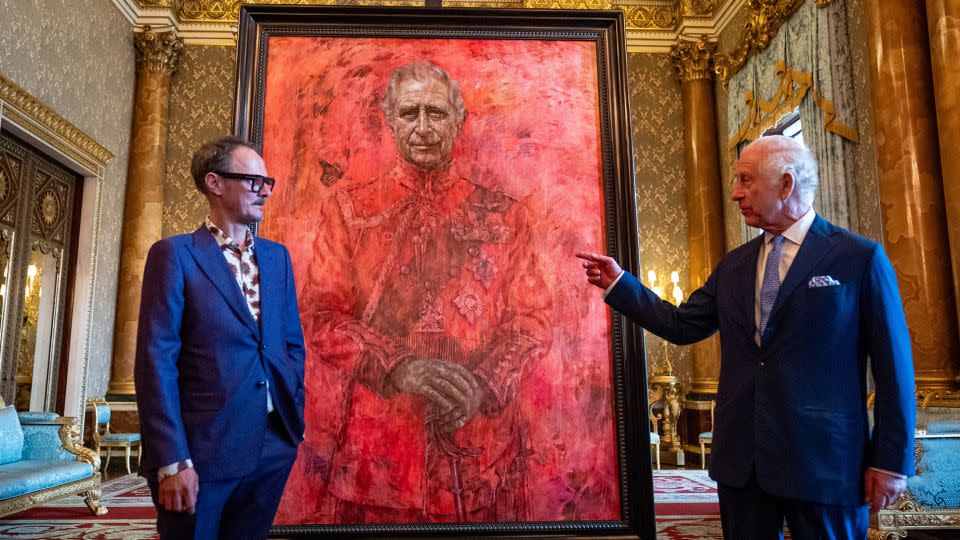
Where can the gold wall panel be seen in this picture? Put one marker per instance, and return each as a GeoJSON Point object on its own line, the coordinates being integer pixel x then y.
{"type": "Point", "coordinates": [911, 186]}
{"type": "Point", "coordinates": [943, 26]}
{"type": "Point", "coordinates": [657, 120]}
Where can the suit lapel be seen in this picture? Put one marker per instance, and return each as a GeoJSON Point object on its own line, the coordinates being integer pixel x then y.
{"type": "Point", "coordinates": [818, 242]}
{"type": "Point", "coordinates": [212, 262]}
{"type": "Point", "coordinates": [747, 286]}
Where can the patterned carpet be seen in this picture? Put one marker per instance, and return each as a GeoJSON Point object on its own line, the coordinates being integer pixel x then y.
{"type": "Point", "coordinates": [686, 506]}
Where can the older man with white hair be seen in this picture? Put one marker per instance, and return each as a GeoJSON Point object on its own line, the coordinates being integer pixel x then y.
{"type": "Point", "coordinates": [802, 310]}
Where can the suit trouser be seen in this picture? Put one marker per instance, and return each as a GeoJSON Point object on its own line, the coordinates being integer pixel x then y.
{"type": "Point", "coordinates": [236, 508]}
{"type": "Point", "coordinates": [749, 513]}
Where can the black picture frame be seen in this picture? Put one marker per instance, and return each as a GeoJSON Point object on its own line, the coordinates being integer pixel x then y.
{"type": "Point", "coordinates": [606, 30]}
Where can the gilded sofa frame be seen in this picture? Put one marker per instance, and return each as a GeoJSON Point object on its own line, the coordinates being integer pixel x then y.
{"type": "Point", "coordinates": [89, 488]}
{"type": "Point", "coordinates": [896, 521]}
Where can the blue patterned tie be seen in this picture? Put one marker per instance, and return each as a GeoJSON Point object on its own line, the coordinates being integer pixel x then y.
{"type": "Point", "coordinates": [771, 282]}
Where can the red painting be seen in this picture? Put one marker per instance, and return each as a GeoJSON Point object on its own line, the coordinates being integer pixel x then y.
{"type": "Point", "coordinates": [432, 193]}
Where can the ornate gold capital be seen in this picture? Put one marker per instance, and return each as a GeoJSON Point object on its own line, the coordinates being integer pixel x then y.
{"type": "Point", "coordinates": [693, 60]}
{"type": "Point", "coordinates": [158, 52]}
{"type": "Point", "coordinates": [763, 21]}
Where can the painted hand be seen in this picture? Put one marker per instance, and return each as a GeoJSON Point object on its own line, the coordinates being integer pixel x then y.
{"type": "Point", "coordinates": [454, 392]}
{"type": "Point", "coordinates": [601, 270]}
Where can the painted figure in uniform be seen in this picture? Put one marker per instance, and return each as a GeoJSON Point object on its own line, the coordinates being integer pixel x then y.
{"type": "Point", "coordinates": [433, 335]}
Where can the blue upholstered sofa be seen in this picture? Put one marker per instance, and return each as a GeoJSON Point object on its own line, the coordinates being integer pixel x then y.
{"type": "Point", "coordinates": [932, 499]}
{"type": "Point", "coordinates": [41, 459]}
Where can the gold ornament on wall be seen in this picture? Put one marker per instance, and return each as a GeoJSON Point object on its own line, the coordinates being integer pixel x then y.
{"type": "Point", "coordinates": [697, 8]}
{"type": "Point", "coordinates": [693, 60]}
{"type": "Point", "coordinates": [763, 21]}
{"type": "Point", "coordinates": [157, 52]}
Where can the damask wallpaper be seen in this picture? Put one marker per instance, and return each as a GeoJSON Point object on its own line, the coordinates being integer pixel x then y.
{"type": "Point", "coordinates": [657, 107]}
{"type": "Point", "coordinates": [726, 42]}
{"type": "Point", "coordinates": [201, 105]}
{"type": "Point", "coordinates": [78, 59]}
{"type": "Point", "coordinates": [865, 153]}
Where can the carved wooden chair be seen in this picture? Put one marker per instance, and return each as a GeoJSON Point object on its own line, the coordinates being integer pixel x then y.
{"type": "Point", "coordinates": [103, 438]}
{"type": "Point", "coordinates": [706, 438]}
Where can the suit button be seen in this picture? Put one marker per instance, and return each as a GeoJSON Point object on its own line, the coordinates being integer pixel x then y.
{"type": "Point", "coordinates": [261, 384]}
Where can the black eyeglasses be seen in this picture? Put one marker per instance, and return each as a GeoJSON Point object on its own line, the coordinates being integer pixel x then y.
{"type": "Point", "coordinates": [256, 181]}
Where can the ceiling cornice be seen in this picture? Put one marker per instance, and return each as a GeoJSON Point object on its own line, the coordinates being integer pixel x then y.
{"type": "Point", "coordinates": [653, 26]}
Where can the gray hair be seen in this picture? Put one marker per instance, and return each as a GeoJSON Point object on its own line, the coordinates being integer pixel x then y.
{"type": "Point", "coordinates": [784, 155]}
{"type": "Point", "coordinates": [422, 71]}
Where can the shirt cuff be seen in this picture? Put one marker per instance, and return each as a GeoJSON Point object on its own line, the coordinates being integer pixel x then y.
{"type": "Point", "coordinates": [173, 468]}
{"type": "Point", "coordinates": [890, 473]}
{"type": "Point", "coordinates": [612, 285]}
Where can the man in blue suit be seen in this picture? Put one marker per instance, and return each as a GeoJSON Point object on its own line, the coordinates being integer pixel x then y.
{"type": "Point", "coordinates": [802, 311]}
{"type": "Point", "coordinates": [219, 367]}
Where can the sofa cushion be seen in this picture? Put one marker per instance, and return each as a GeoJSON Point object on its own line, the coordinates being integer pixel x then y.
{"type": "Point", "coordinates": [11, 436]}
{"type": "Point", "coordinates": [33, 475]}
{"type": "Point", "coordinates": [937, 484]}
{"type": "Point", "coordinates": [27, 417]}
{"type": "Point", "coordinates": [941, 427]}
{"type": "Point", "coordinates": [121, 437]}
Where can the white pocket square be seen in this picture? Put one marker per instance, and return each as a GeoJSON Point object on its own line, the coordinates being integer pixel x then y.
{"type": "Point", "coordinates": [822, 281]}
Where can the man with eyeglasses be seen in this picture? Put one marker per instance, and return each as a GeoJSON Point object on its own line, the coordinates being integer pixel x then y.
{"type": "Point", "coordinates": [219, 367]}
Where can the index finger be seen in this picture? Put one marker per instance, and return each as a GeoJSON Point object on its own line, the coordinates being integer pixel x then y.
{"type": "Point", "coordinates": [592, 257]}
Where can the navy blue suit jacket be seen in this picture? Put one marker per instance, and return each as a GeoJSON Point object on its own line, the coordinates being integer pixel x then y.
{"type": "Point", "coordinates": [794, 409]}
{"type": "Point", "coordinates": [203, 361]}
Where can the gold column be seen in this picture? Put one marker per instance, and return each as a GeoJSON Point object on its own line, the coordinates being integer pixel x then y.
{"type": "Point", "coordinates": [943, 25]}
{"type": "Point", "coordinates": [911, 192]}
{"type": "Point", "coordinates": [694, 64]}
{"type": "Point", "coordinates": [157, 57]}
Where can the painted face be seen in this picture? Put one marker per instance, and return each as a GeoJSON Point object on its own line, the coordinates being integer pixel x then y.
{"type": "Point", "coordinates": [759, 197]}
{"type": "Point", "coordinates": [424, 123]}
{"type": "Point", "coordinates": [243, 205]}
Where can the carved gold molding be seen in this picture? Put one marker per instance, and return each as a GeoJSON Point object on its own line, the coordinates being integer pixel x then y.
{"type": "Point", "coordinates": [763, 21]}
{"type": "Point", "coordinates": [85, 486]}
{"type": "Point", "coordinates": [44, 123]}
{"type": "Point", "coordinates": [70, 438]}
{"type": "Point", "coordinates": [697, 8]}
{"type": "Point", "coordinates": [895, 521]}
{"type": "Point", "coordinates": [693, 60]}
{"type": "Point", "coordinates": [157, 52]}
{"type": "Point", "coordinates": [649, 23]}
{"type": "Point", "coordinates": [637, 16]}
{"type": "Point", "coordinates": [937, 397]}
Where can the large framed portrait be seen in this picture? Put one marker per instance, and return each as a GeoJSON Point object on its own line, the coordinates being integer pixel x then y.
{"type": "Point", "coordinates": [436, 170]}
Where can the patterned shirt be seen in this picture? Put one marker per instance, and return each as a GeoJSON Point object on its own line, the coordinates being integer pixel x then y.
{"type": "Point", "coordinates": [243, 263]}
